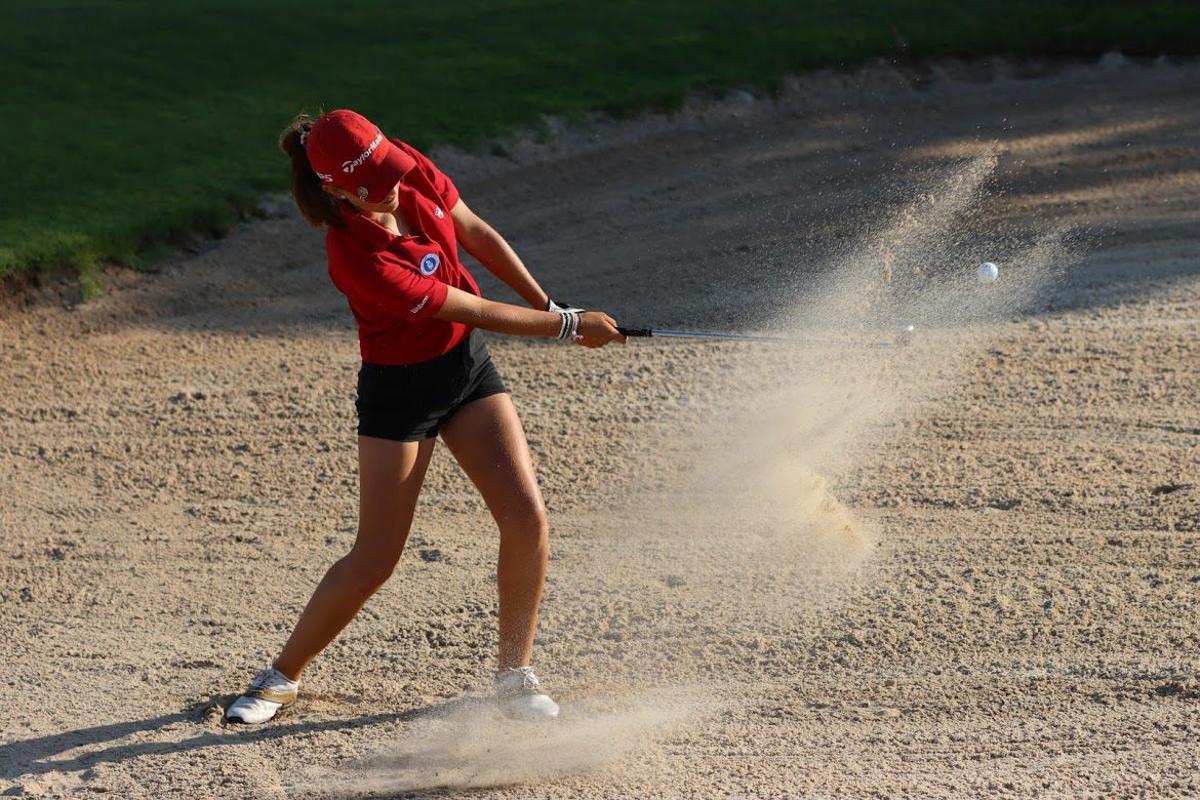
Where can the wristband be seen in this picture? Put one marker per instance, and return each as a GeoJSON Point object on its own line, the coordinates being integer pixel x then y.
{"type": "Point", "coordinates": [569, 326]}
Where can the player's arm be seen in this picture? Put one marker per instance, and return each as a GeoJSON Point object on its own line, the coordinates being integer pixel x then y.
{"type": "Point", "coordinates": [483, 242]}
{"type": "Point", "coordinates": [595, 329]}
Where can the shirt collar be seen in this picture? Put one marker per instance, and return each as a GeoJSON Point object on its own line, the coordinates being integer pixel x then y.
{"type": "Point", "coordinates": [367, 232]}
{"type": "Point", "coordinates": [371, 234]}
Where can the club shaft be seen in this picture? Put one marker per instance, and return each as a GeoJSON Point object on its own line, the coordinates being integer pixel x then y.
{"type": "Point", "coordinates": [731, 337]}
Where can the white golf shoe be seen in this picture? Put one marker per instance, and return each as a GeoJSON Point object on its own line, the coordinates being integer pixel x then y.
{"type": "Point", "coordinates": [520, 696]}
{"type": "Point", "coordinates": [269, 692]}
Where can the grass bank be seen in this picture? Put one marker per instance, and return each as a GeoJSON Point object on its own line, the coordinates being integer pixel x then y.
{"type": "Point", "coordinates": [130, 124]}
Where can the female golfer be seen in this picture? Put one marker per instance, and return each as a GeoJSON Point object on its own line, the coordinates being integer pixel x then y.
{"type": "Point", "coordinates": [393, 223]}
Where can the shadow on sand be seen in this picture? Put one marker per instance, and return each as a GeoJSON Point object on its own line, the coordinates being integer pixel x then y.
{"type": "Point", "coordinates": [37, 756]}
{"type": "Point", "coordinates": [776, 201]}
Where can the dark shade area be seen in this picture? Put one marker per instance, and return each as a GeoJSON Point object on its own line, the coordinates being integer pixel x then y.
{"type": "Point", "coordinates": [133, 124]}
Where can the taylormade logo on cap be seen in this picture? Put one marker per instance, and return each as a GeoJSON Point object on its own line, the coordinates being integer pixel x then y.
{"type": "Point", "coordinates": [350, 166]}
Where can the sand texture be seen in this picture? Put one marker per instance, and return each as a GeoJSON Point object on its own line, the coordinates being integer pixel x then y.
{"type": "Point", "coordinates": [967, 566]}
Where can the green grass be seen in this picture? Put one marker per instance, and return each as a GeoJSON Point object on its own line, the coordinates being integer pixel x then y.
{"type": "Point", "coordinates": [128, 124]}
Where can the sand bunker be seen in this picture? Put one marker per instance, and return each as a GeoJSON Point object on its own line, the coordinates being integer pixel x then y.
{"type": "Point", "coordinates": [957, 568]}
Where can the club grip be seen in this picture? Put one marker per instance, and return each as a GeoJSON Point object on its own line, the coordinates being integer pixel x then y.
{"type": "Point", "coordinates": [635, 331]}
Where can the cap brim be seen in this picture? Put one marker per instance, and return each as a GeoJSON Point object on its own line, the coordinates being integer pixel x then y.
{"type": "Point", "coordinates": [385, 173]}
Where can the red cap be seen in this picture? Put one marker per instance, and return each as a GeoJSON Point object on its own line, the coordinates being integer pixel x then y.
{"type": "Point", "coordinates": [349, 151]}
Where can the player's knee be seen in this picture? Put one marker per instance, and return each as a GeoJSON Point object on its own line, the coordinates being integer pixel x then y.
{"type": "Point", "coordinates": [367, 571]}
{"type": "Point", "coordinates": [528, 526]}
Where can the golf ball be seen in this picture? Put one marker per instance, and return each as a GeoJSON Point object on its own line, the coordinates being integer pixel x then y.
{"type": "Point", "coordinates": [988, 272]}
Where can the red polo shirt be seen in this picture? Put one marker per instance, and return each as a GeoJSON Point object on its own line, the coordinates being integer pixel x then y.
{"type": "Point", "coordinates": [395, 284]}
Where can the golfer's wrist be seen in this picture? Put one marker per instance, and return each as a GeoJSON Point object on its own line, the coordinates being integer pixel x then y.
{"type": "Point", "coordinates": [568, 325]}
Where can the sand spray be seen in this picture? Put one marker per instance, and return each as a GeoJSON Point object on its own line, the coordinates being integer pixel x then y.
{"type": "Point", "coordinates": [756, 506]}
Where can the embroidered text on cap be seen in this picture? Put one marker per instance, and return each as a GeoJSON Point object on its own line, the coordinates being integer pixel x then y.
{"type": "Point", "coordinates": [350, 166]}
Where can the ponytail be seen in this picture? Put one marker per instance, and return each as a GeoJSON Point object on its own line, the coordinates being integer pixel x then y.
{"type": "Point", "coordinates": [317, 206]}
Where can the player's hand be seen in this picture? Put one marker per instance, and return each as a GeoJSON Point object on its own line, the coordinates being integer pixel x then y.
{"type": "Point", "coordinates": [597, 329]}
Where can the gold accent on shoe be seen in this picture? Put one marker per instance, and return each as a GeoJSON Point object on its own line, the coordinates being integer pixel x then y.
{"type": "Point", "coordinates": [284, 698]}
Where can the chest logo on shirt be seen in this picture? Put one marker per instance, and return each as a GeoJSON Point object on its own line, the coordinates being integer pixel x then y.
{"type": "Point", "coordinates": [437, 212]}
{"type": "Point", "coordinates": [430, 263]}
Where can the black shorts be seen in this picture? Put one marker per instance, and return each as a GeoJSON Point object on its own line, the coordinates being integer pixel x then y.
{"type": "Point", "coordinates": [408, 402]}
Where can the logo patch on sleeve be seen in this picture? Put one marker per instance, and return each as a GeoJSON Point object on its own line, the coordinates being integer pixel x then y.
{"type": "Point", "coordinates": [430, 263]}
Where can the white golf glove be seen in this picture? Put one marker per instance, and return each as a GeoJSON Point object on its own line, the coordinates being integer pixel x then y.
{"type": "Point", "coordinates": [560, 308]}
{"type": "Point", "coordinates": [570, 319]}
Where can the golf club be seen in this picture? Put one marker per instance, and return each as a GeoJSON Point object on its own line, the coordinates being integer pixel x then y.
{"type": "Point", "coordinates": [752, 337]}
